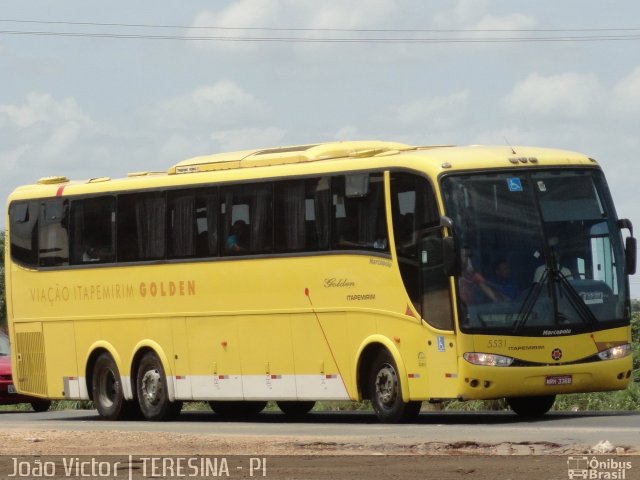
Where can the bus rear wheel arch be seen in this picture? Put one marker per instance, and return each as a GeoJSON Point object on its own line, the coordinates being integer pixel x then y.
{"type": "Point", "coordinates": [152, 390]}
{"type": "Point", "coordinates": [531, 407]}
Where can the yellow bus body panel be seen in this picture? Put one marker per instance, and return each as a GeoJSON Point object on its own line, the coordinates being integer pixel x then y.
{"type": "Point", "coordinates": [279, 327]}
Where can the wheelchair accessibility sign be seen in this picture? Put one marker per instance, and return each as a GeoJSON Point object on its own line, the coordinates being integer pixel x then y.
{"type": "Point", "coordinates": [514, 184]}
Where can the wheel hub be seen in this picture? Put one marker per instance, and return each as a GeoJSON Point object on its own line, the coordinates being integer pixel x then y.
{"type": "Point", "coordinates": [151, 386]}
{"type": "Point", "coordinates": [108, 387]}
{"type": "Point", "coordinates": [387, 385]}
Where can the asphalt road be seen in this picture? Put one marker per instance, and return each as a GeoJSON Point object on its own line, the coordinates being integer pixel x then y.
{"type": "Point", "coordinates": [557, 428]}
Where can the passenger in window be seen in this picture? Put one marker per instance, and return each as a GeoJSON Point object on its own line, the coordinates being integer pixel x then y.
{"type": "Point", "coordinates": [502, 282]}
{"type": "Point", "coordinates": [90, 255]}
{"type": "Point", "coordinates": [474, 289]}
{"type": "Point", "coordinates": [557, 263]}
{"type": "Point", "coordinates": [380, 243]}
{"type": "Point", "coordinates": [236, 241]}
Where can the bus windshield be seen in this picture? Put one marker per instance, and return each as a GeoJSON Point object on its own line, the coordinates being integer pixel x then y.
{"type": "Point", "coordinates": [540, 252]}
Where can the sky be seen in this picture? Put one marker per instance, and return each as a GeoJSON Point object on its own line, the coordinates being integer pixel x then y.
{"type": "Point", "coordinates": [91, 88]}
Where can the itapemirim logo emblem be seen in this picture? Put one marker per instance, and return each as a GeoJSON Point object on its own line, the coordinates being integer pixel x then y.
{"type": "Point", "coordinates": [598, 468]}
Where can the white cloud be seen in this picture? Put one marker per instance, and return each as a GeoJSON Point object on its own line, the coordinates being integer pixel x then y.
{"type": "Point", "coordinates": [43, 108]}
{"type": "Point", "coordinates": [435, 113]}
{"type": "Point", "coordinates": [220, 105]}
{"type": "Point", "coordinates": [471, 15]}
{"type": "Point", "coordinates": [465, 12]}
{"type": "Point", "coordinates": [302, 15]}
{"type": "Point", "coordinates": [348, 132]}
{"type": "Point", "coordinates": [45, 133]}
{"type": "Point", "coordinates": [511, 21]}
{"type": "Point", "coordinates": [297, 14]}
{"type": "Point", "coordinates": [567, 95]}
{"type": "Point", "coordinates": [247, 138]}
{"type": "Point", "coordinates": [626, 94]}
{"type": "Point", "coordinates": [11, 158]}
{"type": "Point", "coordinates": [62, 139]}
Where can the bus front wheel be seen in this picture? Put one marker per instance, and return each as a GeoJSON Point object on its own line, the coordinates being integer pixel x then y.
{"type": "Point", "coordinates": [106, 387]}
{"type": "Point", "coordinates": [151, 387]}
{"type": "Point", "coordinates": [385, 391]}
{"type": "Point", "coordinates": [531, 407]}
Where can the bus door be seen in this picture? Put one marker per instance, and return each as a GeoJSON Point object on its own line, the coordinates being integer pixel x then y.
{"type": "Point", "coordinates": [436, 310]}
{"type": "Point", "coordinates": [420, 253]}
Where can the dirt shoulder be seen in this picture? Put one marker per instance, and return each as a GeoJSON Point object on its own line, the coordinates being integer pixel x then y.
{"type": "Point", "coordinates": [16, 441]}
{"type": "Point", "coordinates": [321, 458]}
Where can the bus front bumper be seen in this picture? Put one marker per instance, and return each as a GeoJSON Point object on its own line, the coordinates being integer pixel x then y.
{"type": "Point", "coordinates": [477, 382]}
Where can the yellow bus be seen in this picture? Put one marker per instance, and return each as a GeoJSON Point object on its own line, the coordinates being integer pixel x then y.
{"type": "Point", "coordinates": [336, 271]}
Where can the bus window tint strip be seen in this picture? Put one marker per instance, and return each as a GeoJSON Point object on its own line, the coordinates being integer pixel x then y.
{"type": "Point", "coordinates": [342, 212]}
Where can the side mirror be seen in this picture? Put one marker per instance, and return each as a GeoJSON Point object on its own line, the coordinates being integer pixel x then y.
{"type": "Point", "coordinates": [446, 222]}
{"type": "Point", "coordinates": [448, 247]}
{"type": "Point", "coordinates": [449, 255]}
{"type": "Point", "coordinates": [625, 223]}
{"type": "Point", "coordinates": [631, 253]}
{"type": "Point", "coordinates": [630, 247]}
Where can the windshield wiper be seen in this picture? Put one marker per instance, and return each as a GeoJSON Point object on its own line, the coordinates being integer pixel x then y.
{"type": "Point", "coordinates": [554, 276]}
{"type": "Point", "coordinates": [584, 312]}
{"type": "Point", "coordinates": [530, 301]}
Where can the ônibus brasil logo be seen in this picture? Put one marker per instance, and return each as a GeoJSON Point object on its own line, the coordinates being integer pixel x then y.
{"type": "Point", "coordinates": [597, 468]}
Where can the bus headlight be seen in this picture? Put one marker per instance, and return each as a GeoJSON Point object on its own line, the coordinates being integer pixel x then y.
{"type": "Point", "coordinates": [487, 359]}
{"type": "Point", "coordinates": [615, 352]}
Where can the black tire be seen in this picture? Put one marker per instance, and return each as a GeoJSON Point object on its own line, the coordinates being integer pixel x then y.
{"type": "Point", "coordinates": [41, 405]}
{"type": "Point", "coordinates": [131, 411]}
{"type": "Point", "coordinates": [152, 391]}
{"type": "Point", "coordinates": [385, 391]}
{"type": "Point", "coordinates": [237, 409]}
{"type": "Point", "coordinates": [531, 407]}
{"type": "Point", "coordinates": [106, 388]}
{"type": "Point", "coordinates": [296, 408]}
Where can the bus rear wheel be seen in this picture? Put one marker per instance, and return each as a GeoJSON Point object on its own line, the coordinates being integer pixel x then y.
{"type": "Point", "coordinates": [385, 391]}
{"type": "Point", "coordinates": [151, 387]}
{"type": "Point", "coordinates": [41, 405]}
{"type": "Point", "coordinates": [106, 388]}
{"type": "Point", "coordinates": [531, 407]}
{"type": "Point", "coordinates": [236, 409]}
{"type": "Point", "coordinates": [296, 408]}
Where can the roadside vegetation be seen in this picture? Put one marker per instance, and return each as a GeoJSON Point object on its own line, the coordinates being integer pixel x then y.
{"type": "Point", "coordinates": [628, 399]}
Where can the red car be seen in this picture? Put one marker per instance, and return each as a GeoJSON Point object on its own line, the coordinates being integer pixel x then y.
{"type": "Point", "coordinates": [8, 395]}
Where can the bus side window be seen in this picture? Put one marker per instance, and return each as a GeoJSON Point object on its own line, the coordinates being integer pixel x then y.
{"type": "Point", "coordinates": [93, 230]}
{"type": "Point", "coordinates": [247, 219]}
{"type": "Point", "coordinates": [413, 207]}
{"type": "Point", "coordinates": [53, 236]}
{"type": "Point", "coordinates": [141, 226]}
{"type": "Point", "coordinates": [301, 214]}
{"type": "Point", "coordinates": [192, 223]}
{"type": "Point", "coordinates": [359, 220]}
{"type": "Point", "coordinates": [23, 217]}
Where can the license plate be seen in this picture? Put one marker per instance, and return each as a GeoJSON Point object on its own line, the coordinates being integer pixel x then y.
{"type": "Point", "coordinates": [11, 388]}
{"type": "Point", "coordinates": [558, 380]}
